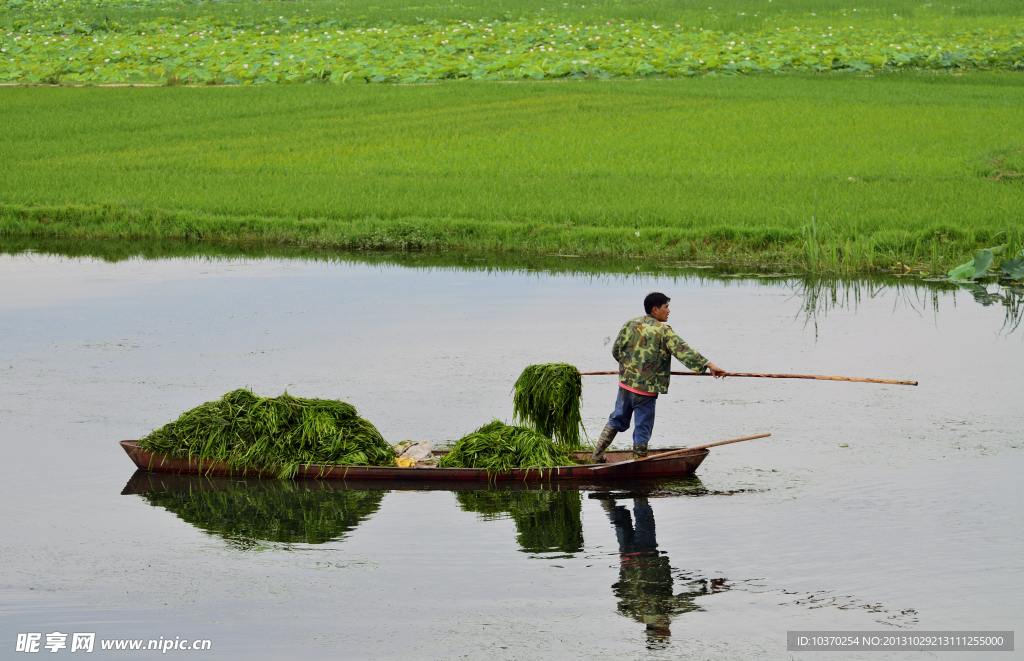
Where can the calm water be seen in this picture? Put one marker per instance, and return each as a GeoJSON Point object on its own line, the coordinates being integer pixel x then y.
{"type": "Point", "coordinates": [870, 507]}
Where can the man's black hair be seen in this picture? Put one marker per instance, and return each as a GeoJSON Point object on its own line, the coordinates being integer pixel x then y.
{"type": "Point", "coordinates": [655, 300]}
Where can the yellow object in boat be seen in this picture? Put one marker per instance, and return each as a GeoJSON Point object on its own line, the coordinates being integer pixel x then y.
{"type": "Point", "coordinates": [405, 462]}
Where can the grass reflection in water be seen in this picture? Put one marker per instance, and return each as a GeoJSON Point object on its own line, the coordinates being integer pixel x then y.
{"type": "Point", "coordinates": [546, 521]}
{"type": "Point", "coordinates": [247, 512]}
{"type": "Point", "coordinates": [817, 294]}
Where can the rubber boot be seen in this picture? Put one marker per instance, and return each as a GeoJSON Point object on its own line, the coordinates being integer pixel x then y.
{"type": "Point", "coordinates": [639, 451]}
{"type": "Point", "coordinates": [607, 436]}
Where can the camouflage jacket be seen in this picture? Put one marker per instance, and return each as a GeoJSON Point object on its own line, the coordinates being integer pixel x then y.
{"type": "Point", "coordinates": [644, 349]}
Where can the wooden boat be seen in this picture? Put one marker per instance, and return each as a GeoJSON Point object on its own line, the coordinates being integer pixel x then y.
{"type": "Point", "coordinates": [678, 465]}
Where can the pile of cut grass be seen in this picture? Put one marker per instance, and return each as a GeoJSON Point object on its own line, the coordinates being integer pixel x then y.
{"type": "Point", "coordinates": [547, 397]}
{"type": "Point", "coordinates": [499, 448]}
{"type": "Point", "coordinates": [272, 434]}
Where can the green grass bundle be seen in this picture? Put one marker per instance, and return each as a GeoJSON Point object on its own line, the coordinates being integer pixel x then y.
{"type": "Point", "coordinates": [547, 397]}
{"type": "Point", "coordinates": [499, 448]}
{"type": "Point", "coordinates": [274, 433]}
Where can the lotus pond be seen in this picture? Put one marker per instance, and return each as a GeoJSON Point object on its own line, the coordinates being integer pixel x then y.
{"type": "Point", "coordinates": [155, 41]}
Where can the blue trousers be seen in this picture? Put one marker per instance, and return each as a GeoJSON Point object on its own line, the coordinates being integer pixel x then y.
{"type": "Point", "coordinates": [639, 407]}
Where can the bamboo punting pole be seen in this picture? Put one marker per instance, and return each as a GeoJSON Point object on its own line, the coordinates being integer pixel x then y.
{"type": "Point", "coordinates": [662, 455]}
{"type": "Point", "coordinates": [782, 376]}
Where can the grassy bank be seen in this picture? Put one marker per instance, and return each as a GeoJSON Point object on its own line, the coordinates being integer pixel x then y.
{"type": "Point", "coordinates": [833, 173]}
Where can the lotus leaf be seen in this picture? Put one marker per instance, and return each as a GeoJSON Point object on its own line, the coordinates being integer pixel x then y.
{"type": "Point", "coordinates": [1014, 268]}
{"type": "Point", "coordinates": [975, 268]}
{"type": "Point", "coordinates": [982, 262]}
{"type": "Point", "coordinates": [963, 272]}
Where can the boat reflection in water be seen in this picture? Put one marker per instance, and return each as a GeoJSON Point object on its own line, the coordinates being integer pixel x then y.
{"type": "Point", "coordinates": [548, 520]}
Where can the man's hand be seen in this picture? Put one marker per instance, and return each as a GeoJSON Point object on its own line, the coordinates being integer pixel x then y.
{"type": "Point", "coordinates": [716, 371]}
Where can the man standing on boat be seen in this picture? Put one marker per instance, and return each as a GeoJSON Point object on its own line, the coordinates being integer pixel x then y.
{"type": "Point", "coordinates": [644, 349]}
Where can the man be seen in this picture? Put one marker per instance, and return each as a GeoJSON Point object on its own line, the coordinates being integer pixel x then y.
{"type": "Point", "coordinates": [644, 349]}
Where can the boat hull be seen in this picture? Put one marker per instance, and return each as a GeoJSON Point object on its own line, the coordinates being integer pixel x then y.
{"type": "Point", "coordinates": [681, 465]}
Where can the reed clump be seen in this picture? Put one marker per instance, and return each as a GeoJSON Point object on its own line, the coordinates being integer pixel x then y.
{"type": "Point", "coordinates": [547, 397]}
{"type": "Point", "coordinates": [499, 448]}
{"type": "Point", "coordinates": [275, 435]}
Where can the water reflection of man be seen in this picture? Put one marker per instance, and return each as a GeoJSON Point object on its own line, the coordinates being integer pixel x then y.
{"type": "Point", "coordinates": [644, 589]}
{"type": "Point", "coordinates": [644, 350]}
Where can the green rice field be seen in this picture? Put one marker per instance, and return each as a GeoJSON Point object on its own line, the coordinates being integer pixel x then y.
{"type": "Point", "coordinates": [855, 137]}
{"type": "Point", "coordinates": [755, 168]}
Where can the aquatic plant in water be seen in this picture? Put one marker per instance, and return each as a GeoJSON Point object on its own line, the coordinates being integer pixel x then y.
{"type": "Point", "coordinates": [979, 266]}
{"type": "Point", "coordinates": [499, 448]}
{"type": "Point", "coordinates": [274, 434]}
{"type": "Point", "coordinates": [547, 397]}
